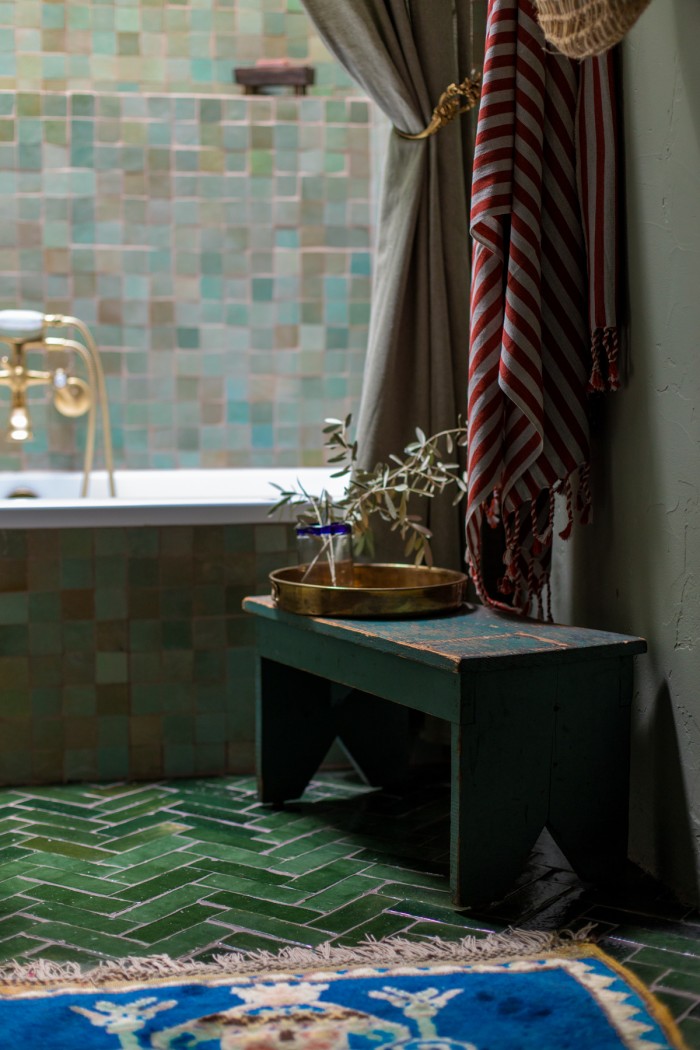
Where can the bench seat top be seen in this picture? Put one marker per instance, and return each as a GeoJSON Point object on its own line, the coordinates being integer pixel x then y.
{"type": "Point", "coordinates": [462, 640]}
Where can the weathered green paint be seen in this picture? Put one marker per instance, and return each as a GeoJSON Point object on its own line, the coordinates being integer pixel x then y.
{"type": "Point", "coordinates": [341, 660]}
{"type": "Point", "coordinates": [539, 715]}
{"type": "Point", "coordinates": [472, 636]}
{"type": "Point", "coordinates": [500, 781]}
{"type": "Point", "coordinates": [287, 759]}
{"type": "Point", "coordinates": [590, 761]}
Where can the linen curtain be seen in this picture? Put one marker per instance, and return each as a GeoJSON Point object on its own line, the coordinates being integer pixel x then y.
{"type": "Point", "coordinates": [404, 53]}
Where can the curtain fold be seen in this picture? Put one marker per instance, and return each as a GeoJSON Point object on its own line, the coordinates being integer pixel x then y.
{"type": "Point", "coordinates": [404, 54]}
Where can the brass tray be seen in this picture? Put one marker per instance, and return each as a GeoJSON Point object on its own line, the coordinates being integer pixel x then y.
{"type": "Point", "coordinates": [378, 590]}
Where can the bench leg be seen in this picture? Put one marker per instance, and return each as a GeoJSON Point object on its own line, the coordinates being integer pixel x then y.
{"type": "Point", "coordinates": [375, 734]}
{"type": "Point", "coordinates": [589, 805]}
{"type": "Point", "coordinates": [295, 726]}
{"type": "Point", "coordinates": [299, 715]}
{"type": "Point", "coordinates": [500, 788]}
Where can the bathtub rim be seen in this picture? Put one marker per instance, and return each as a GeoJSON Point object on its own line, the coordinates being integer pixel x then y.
{"type": "Point", "coordinates": [238, 509]}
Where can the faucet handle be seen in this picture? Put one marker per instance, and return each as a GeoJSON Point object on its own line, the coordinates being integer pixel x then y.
{"type": "Point", "coordinates": [21, 325]}
{"type": "Point", "coordinates": [72, 395]}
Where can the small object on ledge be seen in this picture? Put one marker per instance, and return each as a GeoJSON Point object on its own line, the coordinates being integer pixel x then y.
{"type": "Point", "coordinates": [377, 591]}
{"type": "Point", "coordinates": [326, 552]}
{"type": "Point", "coordinates": [274, 73]}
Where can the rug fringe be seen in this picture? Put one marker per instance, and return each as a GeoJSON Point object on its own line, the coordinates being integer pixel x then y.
{"type": "Point", "coordinates": [512, 943]}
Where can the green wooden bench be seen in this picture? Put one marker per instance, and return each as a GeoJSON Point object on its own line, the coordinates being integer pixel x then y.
{"type": "Point", "coordinates": [539, 717]}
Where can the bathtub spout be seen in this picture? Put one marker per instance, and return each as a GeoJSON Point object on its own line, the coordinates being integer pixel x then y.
{"type": "Point", "coordinates": [20, 425]}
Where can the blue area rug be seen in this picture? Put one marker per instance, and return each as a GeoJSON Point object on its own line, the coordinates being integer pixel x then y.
{"type": "Point", "coordinates": [494, 994]}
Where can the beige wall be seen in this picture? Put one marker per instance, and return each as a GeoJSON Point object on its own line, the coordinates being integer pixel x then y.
{"type": "Point", "coordinates": [637, 569]}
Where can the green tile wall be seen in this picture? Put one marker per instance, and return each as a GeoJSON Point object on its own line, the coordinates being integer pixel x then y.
{"type": "Point", "coordinates": [142, 45]}
{"type": "Point", "coordinates": [124, 653]}
{"type": "Point", "coordinates": [220, 249]}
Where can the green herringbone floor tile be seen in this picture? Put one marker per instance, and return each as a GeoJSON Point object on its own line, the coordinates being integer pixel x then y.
{"type": "Point", "coordinates": [258, 906]}
{"type": "Point", "coordinates": [158, 885]}
{"type": "Point", "coordinates": [255, 869]}
{"type": "Point", "coordinates": [233, 855]}
{"type": "Point", "coordinates": [53, 819]}
{"type": "Point", "coordinates": [164, 904]}
{"type": "Point", "coordinates": [315, 858]}
{"type": "Point", "coordinates": [159, 846]}
{"type": "Point", "coordinates": [100, 905]}
{"type": "Point", "coordinates": [77, 917]}
{"type": "Point", "coordinates": [56, 847]}
{"type": "Point", "coordinates": [133, 826]}
{"type": "Point", "coordinates": [251, 888]}
{"type": "Point", "coordinates": [63, 832]}
{"type": "Point", "coordinates": [228, 835]}
{"type": "Point", "coordinates": [387, 924]}
{"type": "Point", "coordinates": [133, 842]}
{"type": "Point", "coordinates": [404, 875]}
{"type": "Point", "coordinates": [196, 868]}
{"type": "Point", "coordinates": [172, 923]}
{"type": "Point", "coordinates": [226, 814]}
{"type": "Point", "coordinates": [151, 869]}
{"type": "Point", "coordinates": [12, 824]}
{"type": "Point", "coordinates": [127, 810]}
{"type": "Point", "coordinates": [344, 892]}
{"type": "Point", "coordinates": [97, 941]}
{"type": "Point", "coordinates": [329, 874]}
{"type": "Point", "coordinates": [203, 937]}
{"type": "Point", "coordinates": [16, 867]}
{"type": "Point", "coordinates": [344, 919]}
{"type": "Point", "coordinates": [10, 888]}
{"type": "Point", "coordinates": [291, 932]}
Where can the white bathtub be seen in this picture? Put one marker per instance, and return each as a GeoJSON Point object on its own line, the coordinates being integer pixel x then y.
{"type": "Point", "coordinates": [153, 497]}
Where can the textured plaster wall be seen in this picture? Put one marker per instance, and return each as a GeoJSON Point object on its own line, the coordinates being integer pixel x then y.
{"type": "Point", "coordinates": [637, 569]}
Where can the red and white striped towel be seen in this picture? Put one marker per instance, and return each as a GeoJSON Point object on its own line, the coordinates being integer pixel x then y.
{"type": "Point", "coordinates": [543, 293]}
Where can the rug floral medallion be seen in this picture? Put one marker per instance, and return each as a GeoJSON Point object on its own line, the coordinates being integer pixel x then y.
{"type": "Point", "coordinates": [542, 1003]}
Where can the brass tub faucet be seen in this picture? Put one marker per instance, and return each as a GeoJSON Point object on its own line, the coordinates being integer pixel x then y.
{"type": "Point", "coordinates": [73, 395]}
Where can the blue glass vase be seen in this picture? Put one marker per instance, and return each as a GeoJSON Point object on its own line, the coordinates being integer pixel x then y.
{"type": "Point", "coordinates": [325, 552]}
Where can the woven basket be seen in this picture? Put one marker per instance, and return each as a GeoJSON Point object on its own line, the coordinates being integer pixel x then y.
{"type": "Point", "coordinates": [581, 28]}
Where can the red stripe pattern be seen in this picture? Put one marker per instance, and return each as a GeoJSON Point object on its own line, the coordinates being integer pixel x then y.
{"type": "Point", "coordinates": [598, 163]}
{"type": "Point", "coordinates": [533, 267]}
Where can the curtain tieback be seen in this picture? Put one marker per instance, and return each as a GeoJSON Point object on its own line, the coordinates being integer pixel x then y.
{"type": "Point", "coordinates": [450, 105]}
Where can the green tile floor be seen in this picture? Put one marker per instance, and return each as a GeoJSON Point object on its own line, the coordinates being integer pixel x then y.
{"type": "Point", "coordinates": [191, 868]}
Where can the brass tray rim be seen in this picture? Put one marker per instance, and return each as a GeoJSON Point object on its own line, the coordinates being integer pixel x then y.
{"type": "Point", "coordinates": [455, 577]}
{"type": "Point", "coordinates": [434, 590]}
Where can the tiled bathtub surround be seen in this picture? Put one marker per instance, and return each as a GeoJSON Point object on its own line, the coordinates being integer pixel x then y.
{"type": "Point", "coordinates": [124, 652]}
{"type": "Point", "coordinates": [219, 248]}
{"type": "Point", "coordinates": [161, 45]}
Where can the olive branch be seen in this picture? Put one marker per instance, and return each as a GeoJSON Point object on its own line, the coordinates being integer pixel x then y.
{"type": "Point", "coordinates": [386, 491]}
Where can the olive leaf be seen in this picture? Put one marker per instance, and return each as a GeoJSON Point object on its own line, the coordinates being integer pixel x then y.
{"type": "Point", "coordinates": [385, 491]}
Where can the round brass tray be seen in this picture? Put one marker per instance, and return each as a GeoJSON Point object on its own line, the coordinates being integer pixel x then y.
{"type": "Point", "coordinates": [378, 590]}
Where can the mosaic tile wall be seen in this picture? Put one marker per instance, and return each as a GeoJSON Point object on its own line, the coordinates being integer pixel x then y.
{"type": "Point", "coordinates": [124, 653]}
{"type": "Point", "coordinates": [154, 45]}
{"type": "Point", "coordinates": [219, 248]}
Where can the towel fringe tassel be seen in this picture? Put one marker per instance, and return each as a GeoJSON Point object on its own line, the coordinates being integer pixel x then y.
{"type": "Point", "coordinates": [525, 581]}
{"type": "Point", "coordinates": [605, 346]}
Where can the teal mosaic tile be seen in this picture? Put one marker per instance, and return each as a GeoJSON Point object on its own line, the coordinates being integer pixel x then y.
{"type": "Point", "coordinates": [245, 303]}
{"type": "Point", "coordinates": [132, 681]}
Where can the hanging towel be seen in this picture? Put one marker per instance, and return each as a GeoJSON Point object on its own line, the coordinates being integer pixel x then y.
{"type": "Point", "coordinates": [597, 163]}
{"type": "Point", "coordinates": [543, 321]}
